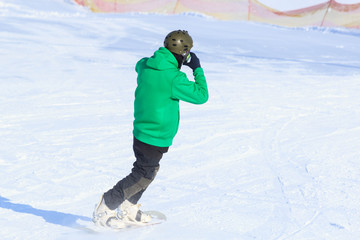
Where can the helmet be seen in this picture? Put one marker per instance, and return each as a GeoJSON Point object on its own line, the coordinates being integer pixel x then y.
{"type": "Point", "coordinates": [178, 42]}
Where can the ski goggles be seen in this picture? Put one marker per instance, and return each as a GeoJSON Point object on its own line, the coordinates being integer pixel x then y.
{"type": "Point", "coordinates": [186, 57]}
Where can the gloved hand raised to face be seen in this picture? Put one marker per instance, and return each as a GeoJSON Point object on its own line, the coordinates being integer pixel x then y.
{"type": "Point", "coordinates": [193, 62]}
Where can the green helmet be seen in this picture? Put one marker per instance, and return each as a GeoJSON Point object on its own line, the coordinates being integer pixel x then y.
{"type": "Point", "coordinates": [179, 42]}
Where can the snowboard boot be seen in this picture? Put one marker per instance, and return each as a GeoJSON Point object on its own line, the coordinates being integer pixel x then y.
{"type": "Point", "coordinates": [105, 217]}
{"type": "Point", "coordinates": [133, 213]}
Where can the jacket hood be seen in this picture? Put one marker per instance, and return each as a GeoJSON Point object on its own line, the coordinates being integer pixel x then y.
{"type": "Point", "coordinates": [162, 59]}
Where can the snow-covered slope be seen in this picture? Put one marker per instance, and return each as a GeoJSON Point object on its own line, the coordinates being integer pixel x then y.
{"type": "Point", "coordinates": [274, 154]}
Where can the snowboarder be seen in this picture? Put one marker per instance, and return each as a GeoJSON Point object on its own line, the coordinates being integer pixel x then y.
{"type": "Point", "coordinates": [160, 86]}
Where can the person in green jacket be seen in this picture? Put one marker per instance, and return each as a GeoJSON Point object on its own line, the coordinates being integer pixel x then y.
{"type": "Point", "coordinates": [160, 87]}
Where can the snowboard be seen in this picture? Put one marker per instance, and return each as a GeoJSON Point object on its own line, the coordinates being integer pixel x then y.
{"type": "Point", "coordinates": [90, 227]}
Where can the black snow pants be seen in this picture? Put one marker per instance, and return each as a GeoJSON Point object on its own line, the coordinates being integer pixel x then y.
{"type": "Point", "coordinates": [142, 174]}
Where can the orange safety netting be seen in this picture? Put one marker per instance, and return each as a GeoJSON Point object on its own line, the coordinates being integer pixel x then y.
{"type": "Point", "coordinates": [329, 14]}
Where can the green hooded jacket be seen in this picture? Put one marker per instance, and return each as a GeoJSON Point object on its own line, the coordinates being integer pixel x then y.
{"type": "Point", "coordinates": [160, 86]}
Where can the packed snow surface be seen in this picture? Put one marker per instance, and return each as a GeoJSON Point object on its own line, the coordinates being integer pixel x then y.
{"type": "Point", "coordinates": [274, 153]}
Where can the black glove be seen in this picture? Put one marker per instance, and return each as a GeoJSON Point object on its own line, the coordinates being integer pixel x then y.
{"type": "Point", "coordinates": [194, 62]}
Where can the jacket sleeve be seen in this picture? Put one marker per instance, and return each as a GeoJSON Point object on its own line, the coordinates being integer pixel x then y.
{"type": "Point", "coordinates": [188, 91]}
{"type": "Point", "coordinates": [140, 64]}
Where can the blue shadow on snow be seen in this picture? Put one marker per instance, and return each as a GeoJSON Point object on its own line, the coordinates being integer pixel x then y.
{"type": "Point", "coordinates": [54, 217]}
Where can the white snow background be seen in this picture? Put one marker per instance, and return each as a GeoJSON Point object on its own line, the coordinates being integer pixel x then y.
{"type": "Point", "coordinates": [274, 153]}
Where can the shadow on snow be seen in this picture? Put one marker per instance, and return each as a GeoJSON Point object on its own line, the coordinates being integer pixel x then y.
{"type": "Point", "coordinates": [54, 217]}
